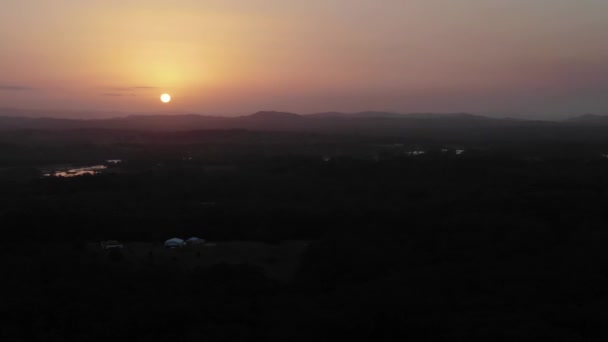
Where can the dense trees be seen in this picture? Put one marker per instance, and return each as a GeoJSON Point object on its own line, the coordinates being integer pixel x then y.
{"type": "Point", "coordinates": [490, 245]}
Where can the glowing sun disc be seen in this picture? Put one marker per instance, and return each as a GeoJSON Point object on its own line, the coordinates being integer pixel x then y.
{"type": "Point", "coordinates": [165, 98]}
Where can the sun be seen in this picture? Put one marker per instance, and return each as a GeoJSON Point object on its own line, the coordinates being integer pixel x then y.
{"type": "Point", "coordinates": [165, 98]}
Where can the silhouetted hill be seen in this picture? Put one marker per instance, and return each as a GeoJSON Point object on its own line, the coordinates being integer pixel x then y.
{"type": "Point", "coordinates": [272, 115]}
{"type": "Point", "coordinates": [362, 122]}
{"type": "Point", "coordinates": [374, 114]}
{"type": "Point", "coordinates": [591, 119]}
{"type": "Point", "coordinates": [451, 116]}
{"type": "Point", "coordinates": [330, 115]}
{"type": "Point", "coordinates": [359, 115]}
{"type": "Point", "coordinates": [444, 127]}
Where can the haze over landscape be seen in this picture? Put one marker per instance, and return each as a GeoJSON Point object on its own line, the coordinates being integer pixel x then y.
{"type": "Point", "coordinates": [534, 59]}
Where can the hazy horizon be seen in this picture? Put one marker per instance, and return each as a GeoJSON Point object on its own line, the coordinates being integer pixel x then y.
{"type": "Point", "coordinates": [533, 59]}
{"type": "Point", "coordinates": [100, 115]}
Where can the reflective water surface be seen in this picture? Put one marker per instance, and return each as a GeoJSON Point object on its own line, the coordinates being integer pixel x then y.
{"type": "Point", "coordinates": [74, 172]}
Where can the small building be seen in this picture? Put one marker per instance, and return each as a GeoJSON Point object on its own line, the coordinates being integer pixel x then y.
{"type": "Point", "coordinates": [174, 243]}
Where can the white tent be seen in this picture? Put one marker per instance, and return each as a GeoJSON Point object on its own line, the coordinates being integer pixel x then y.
{"type": "Point", "coordinates": [174, 243]}
{"type": "Point", "coordinates": [195, 241]}
{"type": "Point", "coordinates": [111, 244]}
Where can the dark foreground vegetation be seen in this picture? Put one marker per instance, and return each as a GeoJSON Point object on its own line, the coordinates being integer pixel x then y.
{"type": "Point", "coordinates": [468, 241]}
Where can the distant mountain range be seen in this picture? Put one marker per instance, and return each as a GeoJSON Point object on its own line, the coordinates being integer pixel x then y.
{"type": "Point", "coordinates": [384, 123]}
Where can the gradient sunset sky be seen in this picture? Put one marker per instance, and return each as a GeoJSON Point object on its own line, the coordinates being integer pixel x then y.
{"type": "Point", "coordinates": [542, 58]}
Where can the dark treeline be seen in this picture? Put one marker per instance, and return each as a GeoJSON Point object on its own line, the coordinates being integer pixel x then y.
{"type": "Point", "coordinates": [502, 242]}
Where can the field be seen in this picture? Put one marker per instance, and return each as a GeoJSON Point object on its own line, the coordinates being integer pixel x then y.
{"type": "Point", "coordinates": [278, 261]}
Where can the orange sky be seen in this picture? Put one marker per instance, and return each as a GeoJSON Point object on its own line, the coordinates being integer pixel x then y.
{"type": "Point", "coordinates": [543, 57]}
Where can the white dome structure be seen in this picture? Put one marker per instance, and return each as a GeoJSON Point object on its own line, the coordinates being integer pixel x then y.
{"type": "Point", "coordinates": [174, 243]}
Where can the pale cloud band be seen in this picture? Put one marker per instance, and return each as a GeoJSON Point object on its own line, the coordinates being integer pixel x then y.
{"type": "Point", "coordinates": [4, 87]}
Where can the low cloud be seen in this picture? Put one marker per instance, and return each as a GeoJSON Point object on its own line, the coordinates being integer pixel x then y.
{"type": "Point", "coordinates": [11, 87]}
{"type": "Point", "coordinates": [131, 88]}
{"type": "Point", "coordinates": [116, 94]}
